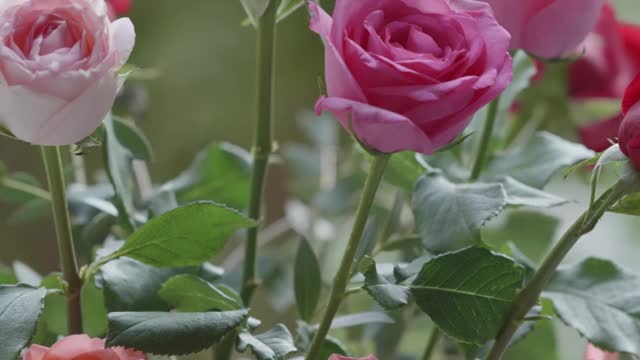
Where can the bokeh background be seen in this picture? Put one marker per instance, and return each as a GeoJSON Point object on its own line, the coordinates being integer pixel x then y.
{"type": "Point", "coordinates": [205, 93]}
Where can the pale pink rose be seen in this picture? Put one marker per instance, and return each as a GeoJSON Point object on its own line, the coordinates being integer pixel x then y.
{"type": "Point", "coordinates": [340, 357]}
{"type": "Point", "coordinates": [547, 28]}
{"type": "Point", "coordinates": [81, 347]}
{"type": "Point", "coordinates": [410, 74]}
{"type": "Point", "coordinates": [593, 353]}
{"type": "Point", "coordinates": [58, 67]}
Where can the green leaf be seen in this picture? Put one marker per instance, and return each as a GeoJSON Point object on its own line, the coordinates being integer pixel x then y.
{"type": "Point", "coordinates": [307, 281]}
{"type": "Point", "coordinates": [25, 274]}
{"type": "Point", "coordinates": [220, 173]}
{"type": "Point", "coordinates": [468, 293]}
{"type": "Point", "coordinates": [288, 7]}
{"type": "Point", "coordinates": [132, 139]}
{"type": "Point", "coordinates": [523, 70]}
{"type": "Point", "coordinates": [255, 9]}
{"type": "Point", "coordinates": [31, 211]}
{"type": "Point", "coordinates": [167, 333]}
{"type": "Point", "coordinates": [601, 301]}
{"type": "Point", "coordinates": [130, 285]}
{"type": "Point", "coordinates": [20, 309]}
{"type": "Point", "coordinates": [188, 235]}
{"type": "Point", "coordinates": [7, 277]}
{"type": "Point", "coordinates": [118, 166]}
{"type": "Point", "coordinates": [629, 205]}
{"type": "Point", "coordinates": [535, 163]}
{"type": "Point", "coordinates": [386, 293]}
{"type": "Point", "coordinates": [19, 188]}
{"type": "Point", "coordinates": [449, 216]}
{"type": "Point", "coordinates": [404, 170]}
{"type": "Point", "coordinates": [189, 293]}
{"type": "Point", "coordinates": [274, 344]}
{"type": "Point", "coordinates": [330, 346]}
{"type": "Point", "coordinates": [359, 319]}
{"type": "Point", "coordinates": [520, 194]}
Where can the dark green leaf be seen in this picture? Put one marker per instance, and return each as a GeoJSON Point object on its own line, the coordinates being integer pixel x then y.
{"type": "Point", "coordinates": [189, 293]}
{"type": "Point", "coordinates": [220, 173]}
{"type": "Point", "coordinates": [130, 285]}
{"type": "Point", "coordinates": [449, 216]}
{"type": "Point", "coordinates": [535, 163]}
{"type": "Point", "coordinates": [132, 139]}
{"type": "Point", "coordinates": [468, 293]}
{"type": "Point", "coordinates": [601, 301]}
{"type": "Point", "coordinates": [384, 292]}
{"type": "Point", "coordinates": [188, 235]}
{"type": "Point", "coordinates": [274, 344]}
{"type": "Point", "coordinates": [307, 281]}
{"type": "Point", "coordinates": [20, 309]}
{"type": "Point", "coordinates": [167, 333]}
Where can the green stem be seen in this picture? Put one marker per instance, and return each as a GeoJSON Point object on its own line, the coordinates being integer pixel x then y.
{"type": "Point", "coordinates": [529, 296]}
{"type": "Point", "coordinates": [262, 146]}
{"type": "Point", "coordinates": [485, 140]}
{"type": "Point", "coordinates": [341, 279]}
{"type": "Point", "coordinates": [55, 175]}
{"type": "Point", "coordinates": [435, 336]}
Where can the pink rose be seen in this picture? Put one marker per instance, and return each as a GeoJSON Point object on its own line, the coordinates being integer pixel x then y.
{"type": "Point", "coordinates": [81, 347]}
{"type": "Point", "coordinates": [340, 357]}
{"type": "Point", "coordinates": [593, 353]}
{"type": "Point", "coordinates": [547, 28]}
{"type": "Point", "coordinates": [629, 133]}
{"type": "Point", "coordinates": [410, 74]}
{"type": "Point", "coordinates": [58, 67]}
{"type": "Point", "coordinates": [607, 66]}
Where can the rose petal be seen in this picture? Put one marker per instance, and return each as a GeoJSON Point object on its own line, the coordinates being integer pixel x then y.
{"type": "Point", "coordinates": [123, 37]}
{"type": "Point", "coordinates": [631, 95]}
{"type": "Point", "coordinates": [598, 136]}
{"type": "Point", "coordinates": [593, 353]}
{"type": "Point", "coordinates": [377, 127]}
{"type": "Point", "coordinates": [35, 352]}
{"type": "Point", "coordinates": [79, 118]}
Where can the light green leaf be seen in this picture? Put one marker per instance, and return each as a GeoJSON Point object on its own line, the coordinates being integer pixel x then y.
{"type": "Point", "coordinates": [132, 139]}
{"type": "Point", "coordinates": [170, 333]}
{"type": "Point", "coordinates": [535, 163]}
{"type": "Point", "coordinates": [20, 309]}
{"type": "Point", "coordinates": [274, 344]}
{"type": "Point", "coordinates": [220, 173]}
{"type": "Point", "coordinates": [523, 70]}
{"type": "Point", "coordinates": [189, 293]}
{"type": "Point", "coordinates": [288, 7]}
{"type": "Point", "coordinates": [468, 293]}
{"type": "Point", "coordinates": [629, 205]}
{"type": "Point", "coordinates": [188, 235]}
{"type": "Point", "coordinates": [307, 282]}
{"type": "Point", "coordinates": [359, 319]}
{"type": "Point", "coordinates": [520, 194]}
{"type": "Point", "coordinates": [25, 274]}
{"type": "Point", "coordinates": [449, 216]}
{"type": "Point", "coordinates": [404, 170]}
{"type": "Point", "coordinates": [255, 9]}
{"type": "Point", "coordinates": [386, 293]}
{"type": "Point", "coordinates": [601, 301]}
{"type": "Point", "coordinates": [118, 166]}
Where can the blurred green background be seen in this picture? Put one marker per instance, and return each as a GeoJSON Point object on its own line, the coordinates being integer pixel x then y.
{"type": "Point", "coordinates": [205, 93]}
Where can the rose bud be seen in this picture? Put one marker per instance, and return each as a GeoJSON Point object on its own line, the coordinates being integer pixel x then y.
{"type": "Point", "coordinates": [81, 347]}
{"type": "Point", "coordinates": [629, 133]}
{"type": "Point", "coordinates": [547, 28]}
{"type": "Point", "coordinates": [59, 63]}
{"type": "Point", "coordinates": [120, 7]}
{"type": "Point", "coordinates": [409, 75]}
{"type": "Point", "coordinates": [593, 353]}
